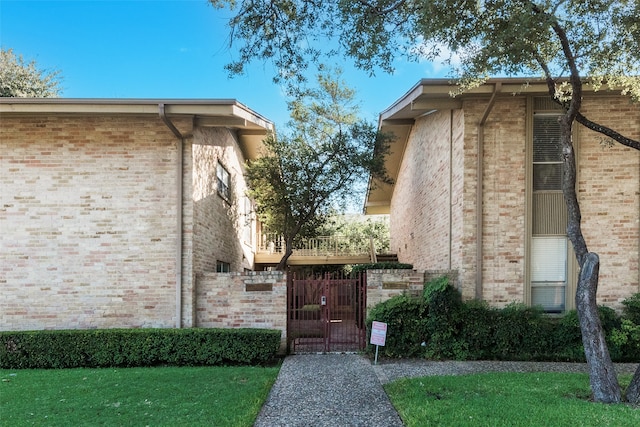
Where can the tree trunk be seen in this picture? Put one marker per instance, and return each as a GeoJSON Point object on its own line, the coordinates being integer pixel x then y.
{"type": "Point", "coordinates": [288, 250]}
{"type": "Point", "coordinates": [633, 391]}
{"type": "Point", "coordinates": [602, 374]}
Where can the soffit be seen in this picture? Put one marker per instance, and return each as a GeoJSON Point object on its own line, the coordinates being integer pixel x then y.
{"type": "Point", "coordinates": [251, 127]}
{"type": "Point", "coordinates": [424, 98]}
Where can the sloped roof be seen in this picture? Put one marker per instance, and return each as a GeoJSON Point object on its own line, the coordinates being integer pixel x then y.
{"type": "Point", "coordinates": [426, 97]}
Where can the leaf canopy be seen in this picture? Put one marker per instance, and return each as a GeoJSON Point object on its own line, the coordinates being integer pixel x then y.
{"type": "Point", "coordinates": [478, 38]}
{"type": "Point", "coordinates": [305, 175]}
{"type": "Point", "coordinates": [25, 80]}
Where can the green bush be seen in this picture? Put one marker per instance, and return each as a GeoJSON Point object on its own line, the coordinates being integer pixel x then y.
{"type": "Point", "coordinates": [626, 340]}
{"type": "Point", "coordinates": [567, 338]}
{"type": "Point", "coordinates": [443, 321]}
{"type": "Point", "coordinates": [137, 347]}
{"type": "Point", "coordinates": [451, 329]}
{"type": "Point", "coordinates": [404, 316]}
{"type": "Point", "coordinates": [381, 266]}
{"type": "Point", "coordinates": [522, 333]}
{"type": "Point", "coordinates": [631, 309]}
{"type": "Point", "coordinates": [478, 329]}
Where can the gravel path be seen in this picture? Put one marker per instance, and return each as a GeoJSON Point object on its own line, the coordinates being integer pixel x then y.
{"type": "Point", "coordinates": [327, 390]}
{"type": "Point", "coordinates": [339, 390]}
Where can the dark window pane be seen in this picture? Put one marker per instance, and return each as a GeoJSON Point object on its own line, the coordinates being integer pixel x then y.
{"type": "Point", "coordinates": [547, 176]}
{"type": "Point", "coordinates": [546, 139]}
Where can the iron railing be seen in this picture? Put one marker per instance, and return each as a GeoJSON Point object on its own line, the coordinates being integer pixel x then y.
{"type": "Point", "coordinates": [272, 243]}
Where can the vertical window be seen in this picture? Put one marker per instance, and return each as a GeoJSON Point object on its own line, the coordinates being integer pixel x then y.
{"type": "Point", "coordinates": [547, 153]}
{"type": "Point", "coordinates": [223, 267]}
{"type": "Point", "coordinates": [548, 263]}
{"type": "Point", "coordinates": [224, 187]}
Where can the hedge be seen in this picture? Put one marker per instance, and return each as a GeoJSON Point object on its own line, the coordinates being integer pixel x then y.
{"type": "Point", "coordinates": [439, 325]}
{"type": "Point", "coordinates": [137, 347]}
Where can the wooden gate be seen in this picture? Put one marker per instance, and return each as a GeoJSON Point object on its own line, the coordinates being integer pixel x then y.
{"type": "Point", "coordinates": [326, 313]}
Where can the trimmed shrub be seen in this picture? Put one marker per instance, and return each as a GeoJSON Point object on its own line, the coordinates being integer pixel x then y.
{"type": "Point", "coordinates": [626, 340]}
{"type": "Point", "coordinates": [137, 347]}
{"type": "Point", "coordinates": [631, 309]}
{"type": "Point", "coordinates": [443, 321]}
{"type": "Point", "coordinates": [448, 328]}
{"type": "Point", "coordinates": [567, 338]}
{"type": "Point", "coordinates": [381, 266]}
{"type": "Point", "coordinates": [404, 316]}
{"type": "Point", "coordinates": [478, 328]}
{"type": "Point", "coordinates": [522, 333]}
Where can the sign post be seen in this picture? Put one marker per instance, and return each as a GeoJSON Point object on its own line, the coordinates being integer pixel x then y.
{"type": "Point", "coordinates": [378, 336]}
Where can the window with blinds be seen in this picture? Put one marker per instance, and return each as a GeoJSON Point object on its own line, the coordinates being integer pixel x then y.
{"type": "Point", "coordinates": [547, 153]}
{"type": "Point", "coordinates": [548, 277]}
{"type": "Point", "coordinates": [549, 272]}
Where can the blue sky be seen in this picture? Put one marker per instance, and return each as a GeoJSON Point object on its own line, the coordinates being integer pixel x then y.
{"type": "Point", "coordinates": [164, 49]}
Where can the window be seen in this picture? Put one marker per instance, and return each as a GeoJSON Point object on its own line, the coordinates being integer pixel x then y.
{"type": "Point", "coordinates": [223, 267]}
{"type": "Point", "coordinates": [549, 249]}
{"type": "Point", "coordinates": [549, 272]}
{"type": "Point", "coordinates": [224, 187]}
{"type": "Point", "coordinates": [547, 153]}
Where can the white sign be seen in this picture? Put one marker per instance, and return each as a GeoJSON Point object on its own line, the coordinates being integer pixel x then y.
{"type": "Point", "coordinates": [378, 333]}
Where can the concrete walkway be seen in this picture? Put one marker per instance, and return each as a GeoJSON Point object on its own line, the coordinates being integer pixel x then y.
{"type": "Point", "coordinates": [332, 390]}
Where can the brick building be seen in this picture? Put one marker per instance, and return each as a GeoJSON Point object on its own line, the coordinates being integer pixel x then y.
{"type": "Point", "coordinates": [110, 209]}
{"type": "Point", "coordinates": [477, 190]}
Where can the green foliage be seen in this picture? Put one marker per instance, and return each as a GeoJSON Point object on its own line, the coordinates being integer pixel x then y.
{"type": "Point", "coordinates": [567, 337]}
{"type": "Point", "coordinates": [358, 229]}
{"type": "Point", "coordinates": [478, 326]}
{"type": "Point", "coordinates": [452, 329]}
{"type": "Point", "coordinates": [521, 333]}
{"type": "Point", "coordinates": [381, 266]}
{"type": "Point", "coordinates": [304, 175]}
{"type": "Point", "coordinates": [626, 341]}
{"type": "Point", "coordinates": [477, 39]}
{"type": "Point", "coordinates": [442, 323]}
{"type": "Point", "coordinates": [404, 316]}
{"type": "Point", "coordinates": [632, 308]}
{"type": "Point", "coordinates": [26, 80]}
{"type": "Point", "coordinates": [136, 347]}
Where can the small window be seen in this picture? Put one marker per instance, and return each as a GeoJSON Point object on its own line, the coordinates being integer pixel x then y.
{"type": "Point", "coordinates": [223, 267]}
{"type": "Point", "coordinates": [224, 187]}
{"type": "Point", "coordinates": [547, 153]}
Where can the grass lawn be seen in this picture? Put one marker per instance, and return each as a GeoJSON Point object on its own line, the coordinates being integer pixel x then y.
{"type": "Point", "coordinates": [506, 399]}
{"type": "Point", "coordinates": [193, 396]}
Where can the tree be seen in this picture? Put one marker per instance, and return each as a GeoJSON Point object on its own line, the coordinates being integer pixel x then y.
{"type": "Point", "coordinates": [307, 173]}
{"type": "Point", "coordinates": [356, 229]}
{"type": "Point", "coordinates": [567, 42]}
{"type": "Point", "coordinates": [26, 80]}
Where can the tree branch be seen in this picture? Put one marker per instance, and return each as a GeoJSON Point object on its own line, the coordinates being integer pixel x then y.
{"type": "Point", "coordinates": [604, 130]}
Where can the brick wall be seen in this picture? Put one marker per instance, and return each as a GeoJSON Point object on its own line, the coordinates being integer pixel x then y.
{"type": "Point", "coordinates": [259, 299]}
{"type": "Point", "coordinates": [504, 199]}
{"type": "Point", "coordinates": [420, 206]}
{"type": "Point", "coordinates": [219, 224]}
{"type": "Point", "coordinates": [609, 187]}
{"type": "Point", "coordinates": [385, 284]}
{"type": "Point", "coordinates": [609, 193]}
{"type": "Point", "coordinates": [236, 300]}
{"type": "Point", "coordinates": [88, 219]}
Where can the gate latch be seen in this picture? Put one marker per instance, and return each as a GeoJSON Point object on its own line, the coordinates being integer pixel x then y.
{"type": "Point", "coordinates": [323, 300]}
